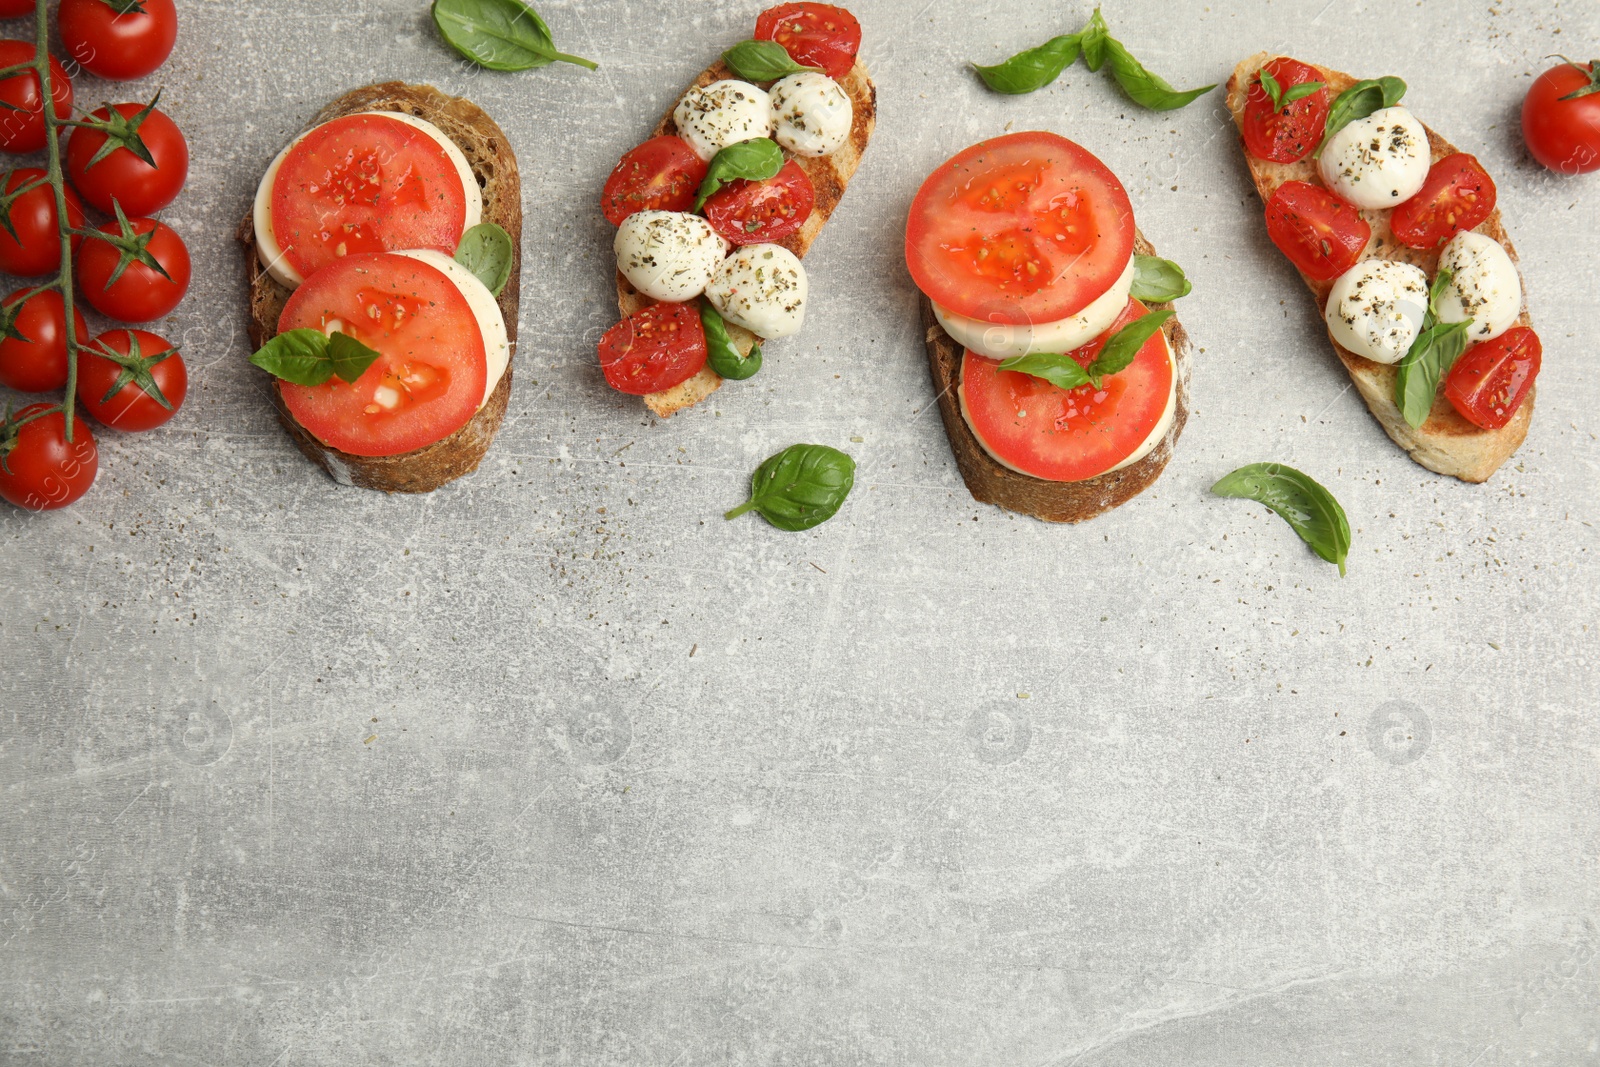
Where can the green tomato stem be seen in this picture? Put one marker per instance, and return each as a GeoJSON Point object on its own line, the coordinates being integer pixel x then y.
{"type": "Point", "coordinates": [52, 126]}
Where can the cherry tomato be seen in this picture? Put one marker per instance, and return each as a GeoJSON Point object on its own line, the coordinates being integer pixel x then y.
{"type": "Point", "coordinates": [814, 35]}
{"type": "Point", "coordinates": [36, 249]}
{"type": "Point", "coordinates": [663, 174]}
{"type": "Point", "coordinates": [1458, 195]}
{"type": "Point", "coordinates": [653, 349]}
{"type": "Point", "coordinates": [40, 470]}
{"type": "Point", "coordinates": [149, 362]}
{"type": "Point", "coordinates": [22, 101]}
{"type": "Point", "coordinates": [13, 9]}
{"type": "Point", "coordinates": [33, 352]}
{"type": "Point", "coordinates": [140, 294]}
{"type": "Point", "coordinates": [1286, 134]}
{"type": "Point", "coordinates": [1321, 234]}
{"type": "Point", "coordinates": [140, 188]}
{"type": "Point", "coordinates": [1491, 379]}
{"type": "Point", "coordinates": [748, 213]}
{"type": "Point", "coordinates": [119, 45]}
{"type": "Point", "coordinates": [1563, 134]}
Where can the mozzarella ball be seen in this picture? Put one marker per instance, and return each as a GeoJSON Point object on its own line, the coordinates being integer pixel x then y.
{"type": "Point", "coordinates": [712, 117]}
{"type": "Point", "coordinates": [762, 288]}
{"type": "Point", "coordinates": [1380, 161]}
{"type": "Point", "coordinates": [1376, 309]}
{"type": "Point", "coordinates": [811, 114]}
{"type": "Point", "coordinates": [668, 255]}
{"type": "Point", "coordinates": [1484, 286]}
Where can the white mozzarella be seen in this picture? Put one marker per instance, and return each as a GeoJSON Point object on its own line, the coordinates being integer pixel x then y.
{"type": "Point", "coordinates": [1376, 309]}
{"type": "Point", "coordinates": [1484, 286]}
{"type": "Point", "coordinates": [712, 117]}
{"type": "Point", "coordinates": [762, 288]}
{"type": "Point", "coordinates": [811, 114]}
{"type": "Point", "coordinates": [1004, 341]}
{"type": "Point", "coordinates": [1380, 161]}
{"type": "Point", "coordinates": [485, 308]}
{"type": "Point", "coordinates": [271, 253]}
{"type": "Point", "coordinates": [668, 255]}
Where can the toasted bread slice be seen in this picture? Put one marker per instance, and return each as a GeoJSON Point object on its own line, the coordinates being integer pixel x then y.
{"type": "Point", "coordinates": [1445, 443]}
{"type": "Point", "coordinates": [494, 164]}
{"type": "Point", "coordinates": [992, 482]}
{"type": "Point", "coordinates": [829, 175]}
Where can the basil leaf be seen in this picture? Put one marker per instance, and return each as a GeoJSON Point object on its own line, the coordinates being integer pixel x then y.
{"type": "Point", "coordinates": [755, 160]}
{"type": "Point", "coordinates": [762, 61]}
{"type": "Point", "coordinates": [1282, 98]}
{"type": "Point", "coordinates": [486, 251]}
{"type": "Point", "coordinates": [1059, 370]}
{"type": "Point", "coordinates": [1308, 508]}
{"type": "Point", "coordinates": [1144, 88]}
{"type": "Point", "coordinates": [801, 487]}
{"type": "Point", "coordinates": [1158, 281]}
{"type": "Point", "coordinates": [311, 357]}
{"type": "Point", "coordinates": [721, 352]}
{"type": "Point", "coordinates": [499, 34]}
{"type": "Point", "coordinates": [350, 358]}
{"type": "Point", "coordinates": [1430, 358]}
{"type": "Point", "coordinates": [1301, 91]}
{"type": "Point", "coordinates": [1094, 38]}
{"type": "Point", "coordinates": [1031, 69]}
{"type": "Point", "coordinates": [1125, 344]}
{"type": "Point", "coordinates": [1359, 101]}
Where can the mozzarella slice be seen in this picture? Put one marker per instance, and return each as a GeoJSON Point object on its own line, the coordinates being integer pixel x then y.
{"type": "Point", "coordinates": [485, 308]}
{"type": "Point", "coordinates": [271, 253]}
{"type": "Point", "coordinates": [668, 255]}
{"type": "Point", "coordinates": [811, 114]}
{"type": "Point", "coordinates": [1380, 161]}
{"type": "Point", "coordinates": [1004, 341]}
{"type": "Point", "coordinates": [1484, 286]}
{"type": "Point", "coordinates": [712, 117]}
{"type": "Point", "coordinates": [1376, 309]}
{"type": "Point", "coordinates": [762, 288]}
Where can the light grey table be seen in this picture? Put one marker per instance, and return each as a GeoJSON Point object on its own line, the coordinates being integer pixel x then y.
{"type": "Point", "coordinates": [555, 766]}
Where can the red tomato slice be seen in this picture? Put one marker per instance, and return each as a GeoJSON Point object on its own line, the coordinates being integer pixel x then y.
{"type": "Point", "coordinates": [1068, 435]}
{"type": "Point", "coordinates": [653, 349]}
{"type": "Point", "coordinates": [1321, 234]}
{"type": "Point", "coordinates": [814, 35]}
{"type": "Point", "coordinates": [432, 369]}
{"type": "Point", "coordinates": [1458, 195]}
{"type": "Point", "coordinates": [1287, 134]}
{"type": "Point", "coordinates": [1023, 229]}
{"type": "Point", "coordinates": [748, 213]}
{"type": "Point", "coordinates": [663, 174]}
{"type": "Point", "coordinates": [365, 183]}
{"type": "Point", "coordinates": [1491, 380]}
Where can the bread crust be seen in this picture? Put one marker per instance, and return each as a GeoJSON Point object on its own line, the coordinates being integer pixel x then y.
{"type": "Point", "coordinates": [991, 482]}
{"type": "Point", "coordinates": [1445, 443]}
{"type": "Point", "coordinates": [830, 175]}
{"type": "Point", "coordinates": [495, 165]}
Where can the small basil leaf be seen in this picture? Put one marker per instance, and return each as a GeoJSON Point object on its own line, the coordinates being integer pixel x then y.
{"type": "Point", "coordinates": [1308, 508]}
{"type": "Point", "coordinates": [1125, 344]}
{"type": "Point", "coordinates": [1301, 91]}
{"type": "Point", "coordinates": [1094, 38]}
{"type": "Point", "coordinates": [1059, 370]}
{"type": "Point", "coordinates": [755, 160]}
{"type": "Point", "coordinates": [349, 357]}
{"type": "Point", "coordinates": [1270, 86]}
{"type": "Point", "coordinates": [297, 356]}
{"type": "Point", "coordinates": [499, 34]}
{"type": "Point", "coordinates": [1031, 69]}
{"type": "Point", "coordinates": [762, 61]}
{"type": "Point", "coordinates": [801, 487]}
{"type": "Point", "coordinates": [1430, 357]}
{"type": "Point", "coordinates": [486, 251]}
{"type": "Point", "coordinates": [1359, 101]}
{"type": "Point", "coordinates": [1158, 281]}
{"type": "Point", "coordinates": [1144, 88]}
{"type": "Point", "coordinates": [721, 352]}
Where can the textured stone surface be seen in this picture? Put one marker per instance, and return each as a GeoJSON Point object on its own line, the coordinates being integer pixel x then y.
{"type": "Point", "coordinates": [555, 766]}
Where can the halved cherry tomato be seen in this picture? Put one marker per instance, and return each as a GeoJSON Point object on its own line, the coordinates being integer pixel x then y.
{"type": "Point", "coordinates": [140, 188]}
{"type": "Point", "coordinates": [115, 43]}
{"type": "Point", "coordinates": [1491, 379]}
{"type": "Point", "coordinates": [365, 183]}
{"type": "Point", "coordinates": [1022, 229]}
{"type": "Point", "coordinates": [33, 352]}
{"type": "Point", "coordinates": [10, 9]}
{"type": "Point", "coordinates": [40, 470]}
{"type": "Point", "coordinates": [132, 407]}
{"type": "Point", "coordinates": [747, 213]}
{"type": "Point", "coordinates": [663, 174]}
{"type": "Point", "coordinates": [814, 35]}
{"type": "Point", "coordinates": [1068, 435]}
{"type": "Point", "coordinates": [432, 369]}
{"type": "Point", "coordinates": [653, 349]}
{"type": "Point", "coordinates": [1458, 195]}
{"type": "Point", "coordinates": [22, 101]}
{"type": "Point", "coordinates": [1287, 134]}
{"type": "Point", "coordinates": [36, 249]}
{"type": "Point", "coordinates": [139, 294]}
{"type": "Point", "coordinates": [1564, 134]}
{"type": "Point", "coordinates": [1321, 234]}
